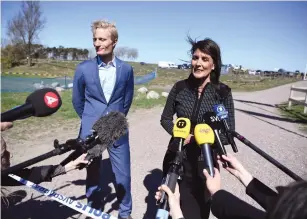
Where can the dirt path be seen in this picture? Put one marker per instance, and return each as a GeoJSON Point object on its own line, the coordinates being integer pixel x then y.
{"type": "Point", "coordinates": [279, 138]}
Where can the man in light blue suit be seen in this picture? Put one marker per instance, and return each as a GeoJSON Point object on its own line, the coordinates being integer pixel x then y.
{"type": "Point", "coordinates": [101, 85]}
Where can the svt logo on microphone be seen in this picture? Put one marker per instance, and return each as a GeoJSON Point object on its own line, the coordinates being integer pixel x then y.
{"type": "Point", "coordinates": [51, 99]}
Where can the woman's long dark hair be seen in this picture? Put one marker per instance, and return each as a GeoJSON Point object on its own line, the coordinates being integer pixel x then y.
{"type": "Point", "coordinates": [291, 202]}
{"type": "Point", "coordinates": [211, 48]}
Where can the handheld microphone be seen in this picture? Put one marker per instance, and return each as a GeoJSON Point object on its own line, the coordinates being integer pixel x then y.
{"type": "Point", "coordinates": [204, 137]}
{"type": "Point", "coordinates": [106, 131]}
{"type": "Point", "coordinates": [265, 155]}
{"type": "Point", "coordinates": [222, 114]}
{"type": "Point", "coordinates": [215, 124]}
{"type": "Point", "coordinates": [181, 130]}
{"type": "Point", "coordinates": [40, 103]}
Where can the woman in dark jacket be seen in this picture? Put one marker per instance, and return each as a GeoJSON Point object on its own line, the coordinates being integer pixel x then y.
{"type": "Point", "coordinates": [192, 98]}
{"type": "Point", "coordinates": [289, 202]}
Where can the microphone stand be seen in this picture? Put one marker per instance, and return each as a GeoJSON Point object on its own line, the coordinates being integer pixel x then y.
{"type": "Point", "coordinates": [72, 144]}
{"type": "Point", "coordinates": [170, 180]}
{"type": "Point", "coordinates": [265, 155]}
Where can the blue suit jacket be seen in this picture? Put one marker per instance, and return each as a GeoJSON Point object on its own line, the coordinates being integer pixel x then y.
{"type": "Point", "coordinates": [88, 98]}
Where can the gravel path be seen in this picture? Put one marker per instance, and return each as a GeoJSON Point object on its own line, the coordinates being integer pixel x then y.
{"type": "Point", "coordinates": [279, 138]}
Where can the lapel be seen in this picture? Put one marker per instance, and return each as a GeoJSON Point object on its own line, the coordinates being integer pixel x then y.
{"type": "Point", "coordinates": [118, 74]}
{"type": "Point", "coordinates": [97, 81]}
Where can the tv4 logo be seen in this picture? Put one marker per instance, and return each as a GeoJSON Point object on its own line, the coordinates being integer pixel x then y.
{"type": "Point", "coordinates": [220, 111]}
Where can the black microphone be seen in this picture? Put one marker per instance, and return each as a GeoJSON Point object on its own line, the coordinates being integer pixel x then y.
{"type": "Point", "coordinates": [222, 114]}
{"type": "Point", "coordinates": [214, 122]}
{"type": "Point", "coordinates": [106, 131]}
{"type": "Point", "coordinates": [265, 155]}
{"type": "Point", "coordinates": [204, 137]}
{"type": "Point", "coordinates": [40, 103]}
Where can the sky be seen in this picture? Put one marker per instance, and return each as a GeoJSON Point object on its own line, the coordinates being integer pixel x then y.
{"type": "Point", "coordinates": [256, 35]}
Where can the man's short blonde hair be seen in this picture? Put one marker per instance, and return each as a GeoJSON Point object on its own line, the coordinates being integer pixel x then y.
{"type": "Point", "coordinates": [106, 25]}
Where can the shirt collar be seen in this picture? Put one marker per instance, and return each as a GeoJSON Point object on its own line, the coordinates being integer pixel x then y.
{"type": "Point", "coordinates": [102, 64]}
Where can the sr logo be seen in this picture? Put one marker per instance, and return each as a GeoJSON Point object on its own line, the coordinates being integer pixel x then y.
{"type": "Point", "coordinates": [181, 124]}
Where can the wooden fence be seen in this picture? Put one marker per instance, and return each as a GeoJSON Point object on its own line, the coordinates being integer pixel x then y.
{"type": "Point", "coordinates": [298, 100]}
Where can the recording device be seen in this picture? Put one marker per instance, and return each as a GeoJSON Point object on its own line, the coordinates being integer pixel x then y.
{"type": "Point", "coordinates": [40, 103]}
{"type": "Point", "coordinates": [106, 130]}
{"type": "Point", "coordinates": [222, 114]}
{"type": "Point", "coordinates": [204, 137]}
{"type": "Point", "coordinates": [214, 122]}
{"type": "Point", "coordinates": [181, 131]}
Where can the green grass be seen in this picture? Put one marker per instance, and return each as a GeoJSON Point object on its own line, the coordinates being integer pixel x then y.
{"type": "Point", "coordinates": [61, 68]}
{"type": "Point", "coordinates": [296, 112]}
{"type": "Point", "coordinates": [65, 117]}
{"type": "Point", "coordinates": [251, 83]}
{"type": "Point", "coordinates": [67, 112]}
{"type": "Point", "coordinates": [165, 77]}
{"type": "Point", "coordinates": [28, 76]}
{"type": "Point", "coordinates": [141, 102]}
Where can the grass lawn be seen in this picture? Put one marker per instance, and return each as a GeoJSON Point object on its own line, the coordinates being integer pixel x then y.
{"type": "Point", "coordinates": [165, 77]}
{"type": "Point", "coordinates": [164, 81]}
{"type": "Point", "coordinates": [66, 113]}
{"type": "Point", "coordinates": [296, 112]}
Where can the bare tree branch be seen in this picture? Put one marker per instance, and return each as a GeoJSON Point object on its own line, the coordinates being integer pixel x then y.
{"type": "Point", "coordinates": [26, 26]}
{"type": "Point", "coordinates": [132, 53]}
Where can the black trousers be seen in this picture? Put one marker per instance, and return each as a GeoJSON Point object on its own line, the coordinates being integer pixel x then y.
{"type": "Point", "coordinates": [194, 196]}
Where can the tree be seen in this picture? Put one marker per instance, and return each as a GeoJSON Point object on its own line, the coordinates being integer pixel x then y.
{"type": "Point", "coordinates": [132, 54]}
{"type": "Point", "coordinates": [4, 42]}
{"type": "Point", "coordinates": [85, 53]}
{"type": "Point", "coordinates": [74, 54]}
{"type": "Point", "coordinates": [11, 55]}
{"type": "Point", "coordinates": [121, 52]}
{"type": "Point", "coordinates": [92, 53]}
{"type": "Point", "coordinates": [26, 25]}
{"type": "Point", "coordinates": [39, 51]}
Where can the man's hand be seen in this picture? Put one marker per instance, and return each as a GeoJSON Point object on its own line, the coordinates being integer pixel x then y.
{"type": "Point", "coordinates": [173, 200]}
{"type": "Point", "coordinates": [237, 169]}
{"type": "Point", "coordinates": [6, 126]}
{"type": "Point", "coordinates": [5, 155]}
{"type": "Point", "coordinates": [189, 139]}
{"type": "Point", "coordinates": [213, 183]}
{"type": "Point", "coordinates": [76, 163]}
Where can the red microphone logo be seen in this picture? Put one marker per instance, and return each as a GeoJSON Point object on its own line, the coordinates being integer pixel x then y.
{"type": "Point", "coordinates": [51, 99]}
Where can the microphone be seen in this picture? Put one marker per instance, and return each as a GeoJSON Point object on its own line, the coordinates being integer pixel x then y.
{"type": "Point", "coordinates": [181, 131]}
{"type": "Point", "coordinates": [204, 137]}
{"type": "Point", "coordinates": [215, 124]}
{"type": "Point", "coordinates": [222, 114]}
{"type": "Point", "coordinates": [106, 131]}
{"type": "Point", "coordinates": [265, 155]}
{"type": "Point", "coordinates": [40, 103]}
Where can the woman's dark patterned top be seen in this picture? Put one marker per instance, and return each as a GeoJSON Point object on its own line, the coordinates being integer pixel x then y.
{"type": "Point", "coordinates": [184, 102]}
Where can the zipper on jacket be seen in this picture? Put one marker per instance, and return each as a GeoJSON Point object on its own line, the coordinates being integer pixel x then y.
{"type": "Point", "coordinates": [196, 109]}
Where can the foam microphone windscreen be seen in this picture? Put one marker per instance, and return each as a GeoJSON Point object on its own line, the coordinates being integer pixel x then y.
{"type": "Point", "coordinates": [109, 128]}
{"type": "Point", "coordinates": [45, 101]}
